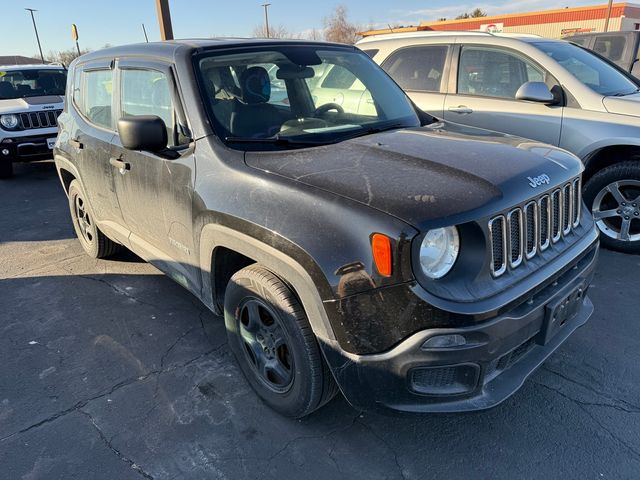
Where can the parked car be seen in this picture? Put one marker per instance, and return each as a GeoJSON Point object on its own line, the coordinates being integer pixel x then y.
{"type": "Point", "coordinates": [548, 90]}
{"type": "Point", "coordinates": [31, 98]}
{"type": "Point", "coordinates": [414, 265]}
{"type": "Point", "coordinates": [620, 48]}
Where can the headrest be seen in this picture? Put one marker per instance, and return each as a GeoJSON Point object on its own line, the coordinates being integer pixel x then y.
{"type": "Point", "coordinates": [255, 85]}
{"type": "Point", "coordinates": [6, 89]}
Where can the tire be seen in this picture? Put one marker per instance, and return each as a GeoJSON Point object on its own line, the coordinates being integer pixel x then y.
{"type": "Point", "coordinates": [6, 169]}
{"type": "Point", "coordinates": [268, 331]}
{"type": "Point", "coordinates": [613, 196]}
{"type": "Point", "coordinates": [95, 243]}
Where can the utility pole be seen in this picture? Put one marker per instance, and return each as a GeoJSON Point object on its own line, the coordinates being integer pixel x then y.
{"type": "Point", "coordinates": [144, 30]}
{"type": "Point", "coordinates": [266, 17]}
{"type": "Point", "coordinates": [606, 22]}
{"type": "Point", "coordinates": [164, 18]}
{"type": "Point", "coordinates": [33, 19]}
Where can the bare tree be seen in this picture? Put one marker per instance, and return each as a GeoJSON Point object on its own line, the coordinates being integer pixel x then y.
{"type": "Point", "coordinates": [313, 34]}
{"type": "Point", "coordinates": [64, 57]}
{"type": "Point", "coordinates": [476, 13]}
{"type": "Point", "coordinates": [339, 29]}
{"type": "Point", "coordinates": [275, 31]}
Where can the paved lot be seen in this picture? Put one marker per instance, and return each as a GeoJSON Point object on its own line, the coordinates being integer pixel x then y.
{"type": "Point", "coordinates": [109, 370]}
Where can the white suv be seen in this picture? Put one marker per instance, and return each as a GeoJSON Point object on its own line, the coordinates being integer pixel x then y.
{"type": "Point", "coordinates": [31, 98]}
{"type": "Point", "coordinates": [551, 91]}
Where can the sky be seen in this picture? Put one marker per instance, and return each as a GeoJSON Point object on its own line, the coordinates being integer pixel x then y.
{"type": "Point", "coordinates": [118, 22]}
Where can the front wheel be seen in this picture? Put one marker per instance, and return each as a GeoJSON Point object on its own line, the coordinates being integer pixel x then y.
{"type": "Point", "coordinates": [613, 194]}
{"type": "Point", "coordinates": [273, 343]}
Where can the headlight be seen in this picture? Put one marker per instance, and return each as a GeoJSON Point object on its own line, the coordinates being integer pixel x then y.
{"type": "Point", "coordinates": [9, 121]}
{"type": "Point", "coordinates": [439, 251]}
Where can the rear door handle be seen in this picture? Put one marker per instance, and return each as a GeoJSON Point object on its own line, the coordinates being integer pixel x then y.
{"type": "Point", "coordinates": [76, 143]}
{"type": "Point", "coordinates": [124, 167]}
{"type": "Point", "coordinates": [462, 109]}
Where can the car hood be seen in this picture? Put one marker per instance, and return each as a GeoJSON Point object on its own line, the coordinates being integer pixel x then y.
{"type": "Point", "coordinates": [627, 105]}
{"type": "Point", "coordinates": [31, 104]}
{"type": "Point", "coordinates": [430, 176]}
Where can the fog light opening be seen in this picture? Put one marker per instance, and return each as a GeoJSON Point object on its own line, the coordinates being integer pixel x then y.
{"type": "Point", "coordinates": [444, 341]}
{"type": "Point", "coordinates": [5, 152]}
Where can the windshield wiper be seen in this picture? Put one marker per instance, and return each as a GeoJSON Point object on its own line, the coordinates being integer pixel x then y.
{"type": "Point", "coordinates": [620, 94]}
{"type": "Point", "coordinates": [277, 140]}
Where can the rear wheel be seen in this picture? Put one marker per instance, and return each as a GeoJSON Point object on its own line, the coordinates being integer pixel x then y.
{"type": "Point", "coordinates": [614, 197]}
{"type": "Point", "coordinates": [6, 169]}
{"type": "Point", "coordinates": [93, 241]}
{"type": "Point", "coordinates": [271, 338]}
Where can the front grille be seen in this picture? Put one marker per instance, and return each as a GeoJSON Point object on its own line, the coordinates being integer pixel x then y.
{"type": "Point", "coordinates": [44, 119]}
{"type": "Point", "coordinates": [525, 231]}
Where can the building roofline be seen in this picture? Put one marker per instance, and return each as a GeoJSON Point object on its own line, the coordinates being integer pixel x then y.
{"type": "Point", "coordinates": [489, 19]}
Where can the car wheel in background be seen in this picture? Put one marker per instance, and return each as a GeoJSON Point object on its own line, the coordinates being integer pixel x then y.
{"type": "Point", "coordinates": [271, 338]}
{"type": "Point", "coordinates": [93, 241]}
{"type": "Point", "coordinates": [613, 195]}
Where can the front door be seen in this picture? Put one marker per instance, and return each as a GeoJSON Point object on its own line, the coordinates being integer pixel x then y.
{"type": "Point", "coordinates": [487, 81]}
{"type": "Point", "coordinates": [155, 190]}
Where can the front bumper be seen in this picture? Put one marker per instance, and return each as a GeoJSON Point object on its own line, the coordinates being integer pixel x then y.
{"type": "Point", "coordinates": [499, 355]}
{"type": "Point", "coordinates": [27, 148]}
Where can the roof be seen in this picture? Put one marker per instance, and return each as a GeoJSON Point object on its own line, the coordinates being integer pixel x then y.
{"type": "Point", "coordinates": [18, 60]}
{"type": "Point", "coordinates": [37, 66]}
{"type": "Point", "coordinates": [449, 33]}
{"type": "Point", "coordinates": [167, 49]}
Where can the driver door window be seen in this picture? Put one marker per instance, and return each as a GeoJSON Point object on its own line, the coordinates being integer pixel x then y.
{"type": "Point", "coordinates": [494, 73]}
{"type": "Point", "coordinates": [147, 92]}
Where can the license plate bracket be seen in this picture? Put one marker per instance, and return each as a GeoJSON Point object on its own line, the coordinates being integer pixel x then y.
{"type": "Point", "coordinates": [559, 313]}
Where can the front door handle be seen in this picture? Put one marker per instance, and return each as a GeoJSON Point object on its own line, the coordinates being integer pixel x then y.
{"type": "Point", "coordinates": [76, 143]}
{"type": "Point", "coordinates": [121, 165]}
{"type": "Point", "coordinates": [462, 109]}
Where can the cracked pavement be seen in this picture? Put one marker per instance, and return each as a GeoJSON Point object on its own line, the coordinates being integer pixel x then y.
{"type": "Point", "coordinates": [109, 370]}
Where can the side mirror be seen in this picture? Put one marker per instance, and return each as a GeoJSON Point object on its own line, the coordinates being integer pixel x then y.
{"type": "Point", "coordinates": [535, 92]}
{"type": "Point", "coordinates": [143, 132]}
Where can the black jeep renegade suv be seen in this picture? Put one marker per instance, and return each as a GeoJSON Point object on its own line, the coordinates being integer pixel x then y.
{"type": "Point", "coordinates": [352, 241]}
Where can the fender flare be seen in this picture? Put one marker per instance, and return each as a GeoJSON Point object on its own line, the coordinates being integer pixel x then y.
{"type": "Point", "coordinates": [61, 163]}
{"type": "Point", "coordinates": [587, 153]}
{"type": "Point", "coordinates": [288, 269]}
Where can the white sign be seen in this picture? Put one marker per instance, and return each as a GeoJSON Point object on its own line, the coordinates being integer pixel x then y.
{"type": "Point", "coordinates": [492, 27]}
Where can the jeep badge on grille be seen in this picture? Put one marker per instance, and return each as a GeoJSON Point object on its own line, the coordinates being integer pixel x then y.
{"type": "Point", "coordinates": [535, 182]}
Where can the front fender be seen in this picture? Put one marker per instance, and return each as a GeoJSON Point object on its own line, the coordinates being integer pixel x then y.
{"type": "Point", "coordinates": [281, 264]}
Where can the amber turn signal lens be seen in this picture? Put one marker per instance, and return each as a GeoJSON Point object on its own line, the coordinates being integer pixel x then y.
{"type": "Point", "coordinates": [381, 248]}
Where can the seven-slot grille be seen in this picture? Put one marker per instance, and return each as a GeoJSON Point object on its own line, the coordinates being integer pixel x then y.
{"type": "Point", "coordinates": [523, 232]}
{"type": "Point", "coordinates": [43, 119]}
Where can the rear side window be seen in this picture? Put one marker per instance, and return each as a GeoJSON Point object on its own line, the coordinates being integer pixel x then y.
{"type": "Point", "coordinates": [338, 77]}
{"type": "Point", "coordinates": [96, 97]}
{"type": "Point", "coordinates": [147, 92]}
{"type": "Point", "coordinates": [417, 68]}
{"type": "Point", "coordinates": [371, 52]}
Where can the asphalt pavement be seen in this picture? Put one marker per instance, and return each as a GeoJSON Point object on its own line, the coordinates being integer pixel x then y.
{"type": "Point", "coordinates": [110, 370]}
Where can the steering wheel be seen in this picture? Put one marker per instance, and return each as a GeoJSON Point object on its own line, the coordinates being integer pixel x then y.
{"type": "Point", "coordinates": [326, 107]}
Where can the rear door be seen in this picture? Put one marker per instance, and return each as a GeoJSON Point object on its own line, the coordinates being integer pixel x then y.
{"type": "Point", "coordinates": [155, 191]}
{"type": "Point", "coordinates": [483, 95]}
{"type": "Point", "coordinates": [93, 131]}
{"type": "Point", "coordinates": [420, 71]}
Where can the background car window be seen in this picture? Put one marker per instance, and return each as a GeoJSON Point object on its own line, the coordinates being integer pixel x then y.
{"type": "Point", "coordinates": [98, 91]}
{"type": "Point", "coordinates": [417, 68]}
{"type": "Point", "coordinates": [147, 92]}
{"type": "Point", "coordinates": [494, 73]}
{"type": "Point", "coordinates": [32, 83]}
{"type": "Point", "coordinates": [611, 47]}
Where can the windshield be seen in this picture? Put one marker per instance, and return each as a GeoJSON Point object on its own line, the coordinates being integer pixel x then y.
{"type": "Point", "coordinates": [299, 95]}
{"type": "Point", "coordinates": [590, 69]}
{"type": "Point", "coordinates": [32, 83]}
